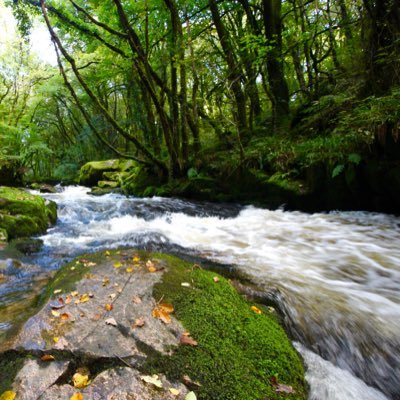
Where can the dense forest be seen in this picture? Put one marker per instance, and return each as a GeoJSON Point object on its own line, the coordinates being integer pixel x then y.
{"type": "Point", "coordinates": [260, 96]}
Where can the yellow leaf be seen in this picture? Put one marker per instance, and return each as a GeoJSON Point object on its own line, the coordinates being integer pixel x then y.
{"type": "Point", "coordinates": [80, 381]}
{"type": "Point", "coordinates": [107, 253]}
{"type": "Point", "coordinates": [84, 298]}
{"type": "Point", "coordinates": [129, 269]}
{"type": "Point", "coordinates": [74, 294]}
{"type": "Point", "coordinates": [55, 313]}
{"type": "Point", "coordinates": [118, 264]}
{"type": "Point", "coordinates": [56, 339]}
{"type": "Point", "coordinates": [152, 269]}
{"type": "Point", "coordinates": [109, 307]}
{"type": "Point", "coordinates": [256, 310]}
{"type": "Point", "coordinates": [57, 291]}
{"type": "Point", "coordinates": [174, 392]}
{"type": "Point", "coordinates": [76, 396]}
{"type": "Point", "coordinates": [8, 395]}
{"type": "Point", "coordinates": [152, 380]}
{"type": "Point", "coordinates": [136, 259]}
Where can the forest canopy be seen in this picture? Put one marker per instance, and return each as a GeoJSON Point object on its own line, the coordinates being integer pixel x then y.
{"type": "Point", "coordinates": [181, 85]}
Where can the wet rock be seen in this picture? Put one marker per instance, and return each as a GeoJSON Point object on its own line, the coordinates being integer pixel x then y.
{"type": "Point", "coordinates": [85, 328]}
{"type": "Point", "coordinates": [36, 377]}
{"type": "Point", "coordinates": [44, 188]}
{"type": "Point", "coordinates": [97, 191]}
{"type": "Point", "coordinates": [118, 384]}
{"type": "Point", "coordinates": [27, 245]}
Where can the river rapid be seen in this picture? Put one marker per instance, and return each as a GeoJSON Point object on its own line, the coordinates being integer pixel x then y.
{"type": "Point", "coordinates": [335, 275]}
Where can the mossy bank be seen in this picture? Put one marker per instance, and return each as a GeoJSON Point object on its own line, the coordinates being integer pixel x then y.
{"type": "Point", "coordinates": [242, 352]}
{"type": "Point", "coordinates": [23, 214]}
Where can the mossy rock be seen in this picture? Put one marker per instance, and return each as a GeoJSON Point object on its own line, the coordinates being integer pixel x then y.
{"type": "Point", "coordinates": [93, 171]}
{"type": "Point", "coordinates": [242, 349]}
{"type": "Point", "coordinates": [3, 235]}
{"type": "Point", "coordinates": [23, 214]}
{"type": "Point", "coordinates": [108, 184]}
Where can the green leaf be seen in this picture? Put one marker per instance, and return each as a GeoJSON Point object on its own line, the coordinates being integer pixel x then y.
{"type": "Point", "coordinates": [337, 170]}
{"type": "Point", "coordinates": [354, 158]}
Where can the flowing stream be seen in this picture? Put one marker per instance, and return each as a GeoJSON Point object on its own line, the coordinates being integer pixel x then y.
{"type": "Point", "coordinates": [336, 275]}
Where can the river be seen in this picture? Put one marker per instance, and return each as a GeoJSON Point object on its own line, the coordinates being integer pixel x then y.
{"type": "Point", "coordinates": [336, 275]}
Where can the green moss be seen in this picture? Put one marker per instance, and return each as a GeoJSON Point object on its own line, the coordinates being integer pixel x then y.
{"type": "Point", "coordinates": [10, 364]}
{"type": "Point", "coordinates": [23, 214]}
{"type": "Point", "coordinates": [239, 351]}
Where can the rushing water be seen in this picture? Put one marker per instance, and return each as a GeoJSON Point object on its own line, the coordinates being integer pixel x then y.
{"type": "Point", "coordinates": [337, 275]}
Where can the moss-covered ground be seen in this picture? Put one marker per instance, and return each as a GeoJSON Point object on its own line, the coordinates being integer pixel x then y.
{"type": "Point", "coordinates": [240, 353]}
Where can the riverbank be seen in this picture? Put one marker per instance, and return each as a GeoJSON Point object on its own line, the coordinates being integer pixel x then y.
{"type": "Point", "coordinates": [124, 316]}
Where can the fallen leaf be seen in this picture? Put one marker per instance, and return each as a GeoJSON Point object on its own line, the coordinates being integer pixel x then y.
{"type": "Point", "coordinates": [9, 395]}
{"type": "Point", "coordinates": [56, 339]}
{"type": "Point", "coordinates": [68, 299]}
{"type": "Point", "coordinates": [152, 269]}
{"type": "Point", "coordinates": [136, 299]}
{"type": "Point", "coordinates": [80, 381]}
{"type": "Point", "coordinates": [47, 357]}
{"type": "Point", "coordinates": [73, 268]}
{"type": "Point", "coordinates": [152, 380]}
{"type": "Point", "coordinates": [119, 290]}
{"type": "Point", "coordinates": [139, 323]}
{"type": "Point", "coordinates": [90, 264]}
{"type": "Point", "coordinates": [106, 281]}
{"type": "Point", "coordinates": [216, 279]}
{"type": "Point", "coordinates": [108, 307]}
{"type": "Point", "coordinates": [74, 294]}
{"type": "Point", "coordinates": [256, 310]}
{"type": "Point", "coordinates": [64, 317]}
{"type": "Point", "coordinates": [112, 296]}
{"type": "Point", "coordinates": [185, 284]}
{"type": "Point", "coordinates": [76, 396]}
{"type": "Point", "coordinates": [55, 313]}
{"type": "Point", "coordinates": [111, 321]}
{"type": "Point", "coordinates": [191, 396]}
{"type": "Point", "coordinates": [136, 259]}
{"type": "Point", "coordinates": [107, 253]}
{"type": "Point", "coordinates": [188, 381]}
{"type": "Point", "coordinates": [174, 392]}
{"type": "Point", "coordinates": [187, 340]}
{"type": "Point", "coordinates": [84, 298]}
{"type": "Point", "coordinates": [118, 264]}
{"type": "Point", "coordinates": [96, 317]}
{"type": "Point", "coordinates": [57, 291]}
{"type": "Point", "coordinates": [129, 269]}
{"type": "Point", "coordinates": [162, 311]}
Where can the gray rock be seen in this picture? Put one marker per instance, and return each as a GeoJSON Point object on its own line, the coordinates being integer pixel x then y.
{"type": "Point", "coordinates": [36, 377]}
{"type": "Point", "coordinates": [118, 384]}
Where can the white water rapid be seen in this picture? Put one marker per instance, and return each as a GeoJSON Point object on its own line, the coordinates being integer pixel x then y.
{"type": "Point", "coordinates": [337, 275]}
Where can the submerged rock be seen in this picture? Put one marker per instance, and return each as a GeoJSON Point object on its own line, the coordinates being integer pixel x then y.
{"type": "Point", "coordinates": [124, 316]}
{"type": "Point", "coordinates": [23, 214]}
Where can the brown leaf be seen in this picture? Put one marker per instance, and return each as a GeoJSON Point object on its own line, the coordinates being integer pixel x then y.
{"type": "Point", "coordinates": [68, 299]}
{"type": "Point", "coordinates": [162, 311]}
{"type": "Point", "coordinates": [139, 323]}
{"type": "Point", "coordinates": [106, 281]}
{"type": "Point", "coordinates": [216, 279]}
{"type": "Point", "coordinates": [64, 317]}
{"type": "Point", "coordinates": [47, 357]}
{"type": "Point", "coordinates": [189, 382]}
{"type": "Point", "coordinates": [281, 388]}
{"type": "Point", "coordinates": [187, 340]}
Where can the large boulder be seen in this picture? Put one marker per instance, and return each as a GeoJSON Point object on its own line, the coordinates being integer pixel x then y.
{"type": "Point", "coordinates": [23, 214]}
{"type": "Point", "coordinates": [124, 324]}
{"type": "Point", "coordinates": [94, 171]}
